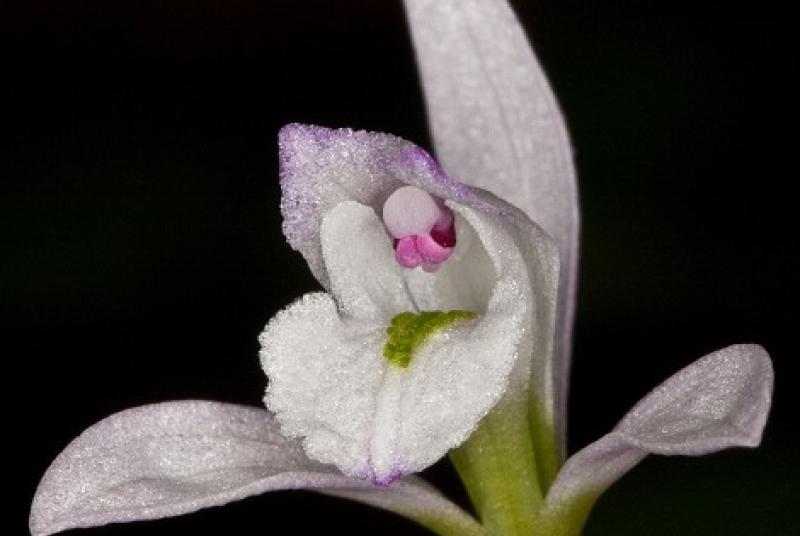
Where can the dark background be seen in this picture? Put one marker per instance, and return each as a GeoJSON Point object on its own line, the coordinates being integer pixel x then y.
{"type": "Point", "coordinates": [142, 251]}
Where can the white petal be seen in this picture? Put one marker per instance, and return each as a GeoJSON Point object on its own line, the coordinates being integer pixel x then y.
{"type": "Point", "coordinates": [465, 281]}
{"type": "Point", "coordinates": [365, 278]}
{"type": "Point", "coordinates": [324, 374]}
{"type": "Point", "coordinates": [496, 125]}
{"type": "Point", "coordinates": [718, 402]}
{"type": "Point", "coordinates": [461, 381]}
{"type": "Point", "coordinates": [331, 385]}
{"type": "Point", "coordinates": [486, 231]}
{"type": "Point", "coordinates": [322, 167]}
{"type": "Point", "coordinates": [177, 457]}
{"type": "Point", "coordinates": [414, 498]}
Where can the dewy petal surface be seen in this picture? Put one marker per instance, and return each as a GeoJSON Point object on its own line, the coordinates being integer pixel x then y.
{"type": "Point", "coordinates": [496, 125]}
{"type": "Point", "coordinates": [177, 457]}
{"type": "Point", "coordinates": [321, 167]}
{"type": "Point", "coordinates": [364, 277]}
{"type": "Point", "coordinates": [331, 385]}
{"type": "Point", "coordinates": [720, 401]}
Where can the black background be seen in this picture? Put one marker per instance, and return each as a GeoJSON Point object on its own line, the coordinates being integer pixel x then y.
{"type": "Point", "coordinates": [142, 252]}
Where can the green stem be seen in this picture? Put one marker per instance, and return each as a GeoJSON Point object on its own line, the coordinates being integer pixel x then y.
{"type": "Point", "coordinates": [569, 519]}
{"type": "Point", "coordinates": [498, 467]}
{"type": "Point", "coordinates": [445, 527]}
{"type": "Point", "coordinates": [548, 457]}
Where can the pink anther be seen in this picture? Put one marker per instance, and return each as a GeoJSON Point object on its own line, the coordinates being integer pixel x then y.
{"type": "Point", "coordinates": [422, 226]}
{"type": "Point", "coordinates": [405, 251]}
{"type": "Point", "coordinates": [431, 251]}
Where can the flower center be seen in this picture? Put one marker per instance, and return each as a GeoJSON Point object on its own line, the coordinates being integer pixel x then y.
{"type": "Point", "coordinates": [408, 331]}
{"type": "Point", "coordinates": [422, 226]}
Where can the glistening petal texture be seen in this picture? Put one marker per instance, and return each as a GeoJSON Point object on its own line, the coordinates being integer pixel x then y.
{"type": "Point", "coordinates": [717, 402]}
{"type": "Point", "coordinates": [364, 277]}
{"type": "Point", "coordinates": [465, 281]}
{"type": "Point", "coordinates": [541, 262]}
{"type": "Point", "coordinates": [542, 271]}
{"type": "Point", "coordinates": [324, 375]}
{"type": "Point", "coordinates": [321, 167]}
{"type": "Point", "coordinates": [456, 378]}
{"type": "Point", "coordinates": [496, 125]}
{"type": "Point", "coordinates": [414, 498]}
{"type": "Point", "coordinates": [331, 385]}
{"type": "Point", "coordinates": [177, 457]}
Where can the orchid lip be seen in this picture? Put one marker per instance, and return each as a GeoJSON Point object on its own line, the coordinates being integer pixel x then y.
{"type": "Point", "coordinates": [422, 226]}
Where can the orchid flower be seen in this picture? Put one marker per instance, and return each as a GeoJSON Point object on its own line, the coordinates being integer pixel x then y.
{"type": "Point", "coordinates": [444, 328]}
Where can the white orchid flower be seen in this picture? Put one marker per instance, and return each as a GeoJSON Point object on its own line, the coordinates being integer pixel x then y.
{"type": "Point", "coordinates": [445, 326]}
{"type": "Point", "coordinates": [398, 364]}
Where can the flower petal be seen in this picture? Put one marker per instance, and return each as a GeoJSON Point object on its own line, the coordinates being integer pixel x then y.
{"type": "Point", "coordinates": [471, 267]}
{"type": "Point", "coordinates": [717, 402]}
{"type": "Point", "coordinates": [364, 277]}
{"type": "Point", "coordinates": [322, 167]}
{"type": "Point", "coordinates": [324, 374]}
{"type": "Point", "coordinates": [331, 385]}
{"type": "Point", "coordinates": [177, 457]}
{"type": "Point", "coordinates": [496, 125]}
{"type": "Point", "coordinates": [465, 281]}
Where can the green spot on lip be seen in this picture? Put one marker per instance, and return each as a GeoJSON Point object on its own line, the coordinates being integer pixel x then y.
{"type": "Point", "coordinates": [408, 331]}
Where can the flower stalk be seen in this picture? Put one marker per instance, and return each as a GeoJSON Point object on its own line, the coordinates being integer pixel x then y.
{"type": "Point", "coordinates": [498, 468]}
